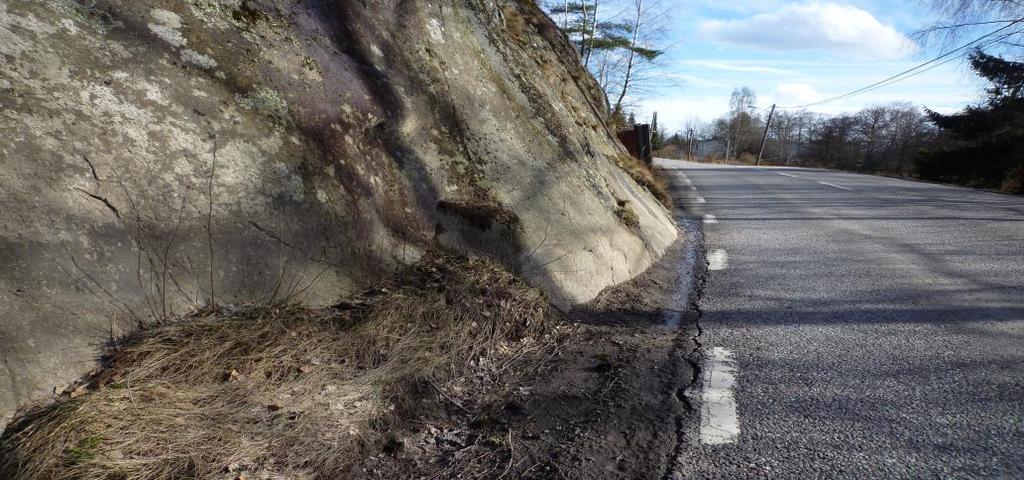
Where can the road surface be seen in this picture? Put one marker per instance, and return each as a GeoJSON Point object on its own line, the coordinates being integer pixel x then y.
{"type": "Point", "coordinates": [856, 327]}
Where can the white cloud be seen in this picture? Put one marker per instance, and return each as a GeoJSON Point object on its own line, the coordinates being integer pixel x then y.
{"type": "Point", "coordinates": [830, 27]}
{"type": "Point", "coordinates": [795, 94]}
{"type": "Point", "coordinates": [736, 67]}
{"type": "Point", "coordinates": [739, 6]}
{"type": "Point", "coordinates": [679, 78]}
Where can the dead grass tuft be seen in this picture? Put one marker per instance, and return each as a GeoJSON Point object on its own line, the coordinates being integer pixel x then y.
{"type": "Point", "coordinates": [515, 24]}
{"type": "Point", "coordinates": [626, 214]}
{"type": "Point", "coordinates": [281, 390]}
{"type": "Point", "coordinates": [643, 175]}
{"type": "Point", "coordinates": [481, 215]}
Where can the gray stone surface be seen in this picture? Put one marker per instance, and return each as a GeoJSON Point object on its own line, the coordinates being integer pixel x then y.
{"type": "Point", "coordinates": [157, 155]}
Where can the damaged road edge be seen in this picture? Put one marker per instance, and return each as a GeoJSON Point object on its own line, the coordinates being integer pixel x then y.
{"type": "Point", "coordinates": [688, 341]}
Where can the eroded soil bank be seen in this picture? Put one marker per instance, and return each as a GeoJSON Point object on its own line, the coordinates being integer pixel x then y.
{"type": "Point", "coordinates": [611, 401]}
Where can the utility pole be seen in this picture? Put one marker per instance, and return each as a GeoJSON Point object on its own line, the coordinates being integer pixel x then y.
{"type": "Point", "coordinates": [764, 138]}
{"type": "Point", "coordinates": [654, 128]}
{"type": "Point", "coordinates": [689, 144]}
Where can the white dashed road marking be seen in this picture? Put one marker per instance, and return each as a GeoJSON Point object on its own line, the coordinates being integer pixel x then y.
{"type": "Point", "coordinates": [719, 422]}
{"type": "Point", "coordinates": [709, 218]}
{"type": "Point", "coordinates": [701, 200]}
{"type": "Point", "coordinates": [834, 185]}
{"type": "Point", "coordinates": [718, 260]}
{"type": "Point", "coordinates": [790, 175]}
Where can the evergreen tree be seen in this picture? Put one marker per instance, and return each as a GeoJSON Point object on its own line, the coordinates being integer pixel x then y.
{"type": "Point", "coordinates": [984, 144]}
{"type": "Point", "coordinates": [617, 43]}
{"type": "Point", "coordinates": [657, 138]}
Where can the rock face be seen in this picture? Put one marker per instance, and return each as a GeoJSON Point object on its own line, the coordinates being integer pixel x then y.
{"type": "Point", "coordinates": [160, 155]}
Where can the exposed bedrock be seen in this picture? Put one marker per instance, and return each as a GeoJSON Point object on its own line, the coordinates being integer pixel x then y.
{"type": "Point", "coordinates": [156, 156]}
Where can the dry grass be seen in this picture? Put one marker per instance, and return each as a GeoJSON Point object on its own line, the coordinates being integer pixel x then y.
{"type": "Point", "coordinates": [626, 214]}
{"type": "Point", "coordinates": [643, 175]}
{"type": "Point", "coordinates": [268, 391]}
{"type": "Point", "coordinates": [480, 214]}
{"type": "Point", "coordinates": [1014, 181]}
{"type": "Point", "coordinates": [515, 24]}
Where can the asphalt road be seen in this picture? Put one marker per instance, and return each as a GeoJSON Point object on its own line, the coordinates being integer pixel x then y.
{"type": "Point", "coordinates": [877, 325]}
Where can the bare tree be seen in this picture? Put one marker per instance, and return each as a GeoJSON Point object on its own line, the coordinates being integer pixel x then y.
{"type": "Point", "coordinates": [589, 41]}
{"type": "Point", "coordinates": [636, 53]}
{"type": "Point", "coordinates": [881, 138]}
{"type": "Point", "coordinates": [739, 125]}
{"type": "Point", "coordinates": [871, 124]}
{"type": "Point", "coordinates": [962, 18]}
{"type": "Point", "coordinates": [614, 44]}
{"type": "Point", "coordinates": [632, 53]}
{"type": "Point", "coordinates": [784, 136]}
{"type": "Point", "coordinates": [909, 131]}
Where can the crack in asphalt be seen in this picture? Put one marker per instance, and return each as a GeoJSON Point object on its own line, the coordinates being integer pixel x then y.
{"type": "Point", "coordinates": [685, 392]}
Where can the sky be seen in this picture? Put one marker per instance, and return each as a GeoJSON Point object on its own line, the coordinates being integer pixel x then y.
{"type": "Point", "coordinates": [793, 53]}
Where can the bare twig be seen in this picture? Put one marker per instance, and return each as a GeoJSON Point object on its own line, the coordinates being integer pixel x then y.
{"type": "Point", "coordinates": [511, 455]}
{"type": "Point", "coordinates": [127, 310]}
{"type": "Point", "coordinates": [566, 254]}
{"type": "Point", "coordinates": [209, 219]}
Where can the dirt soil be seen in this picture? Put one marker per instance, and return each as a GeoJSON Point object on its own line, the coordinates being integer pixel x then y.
{"type": "Point", "coordinates": [611, 405]}
{"type": "Point", "coordinates": [608, 404]}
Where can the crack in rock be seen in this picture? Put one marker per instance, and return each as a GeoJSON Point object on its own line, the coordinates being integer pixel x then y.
{"type": "Point", "coordinates": [102, 199]}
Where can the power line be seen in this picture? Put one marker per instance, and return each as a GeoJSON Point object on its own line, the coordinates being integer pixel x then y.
{"type": "Point", "coordinates": [914, 74]}
{"type": "Point", "coordinates": [912, 71]}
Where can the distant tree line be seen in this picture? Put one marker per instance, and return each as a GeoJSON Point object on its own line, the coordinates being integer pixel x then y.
{"type": "Point", "coordinates": [981, 146]}
{"type": "Point", "coordinates": [883, 138]}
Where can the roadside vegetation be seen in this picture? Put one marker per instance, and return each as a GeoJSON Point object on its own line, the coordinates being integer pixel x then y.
{"type": "Point", "coordinates": [270, 391]}
{"type": "Point", "coordinates": [646, 177]}
{"type": "Point", "coordinates": [883, 138]}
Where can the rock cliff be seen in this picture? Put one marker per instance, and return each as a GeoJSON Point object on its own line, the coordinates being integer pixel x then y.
{"type": "Point", "coordinates": [159, 155]}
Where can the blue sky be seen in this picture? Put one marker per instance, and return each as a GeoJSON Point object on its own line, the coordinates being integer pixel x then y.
{"type": "Point", "coordinates": [794, 53]}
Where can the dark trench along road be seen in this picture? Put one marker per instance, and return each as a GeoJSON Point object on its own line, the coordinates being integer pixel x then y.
{"type": "Point", "coordinates": [856, 327]}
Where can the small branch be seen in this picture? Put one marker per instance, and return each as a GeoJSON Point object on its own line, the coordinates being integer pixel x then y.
{"type": "Point", "coordinates": [511, 455]}
{"type": "Point", "coordinates": [209, 219]}
{"type": "Point", "coordinates": [113, 300]}
{"type": "Point", "coordinates": [529, 256]}
{"type": "Point", "coordinates": [441, 394]}
{"type": "Point", "coordinates": [566, 254]}
{"type": "Point", "coordinates": [270, 234]}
